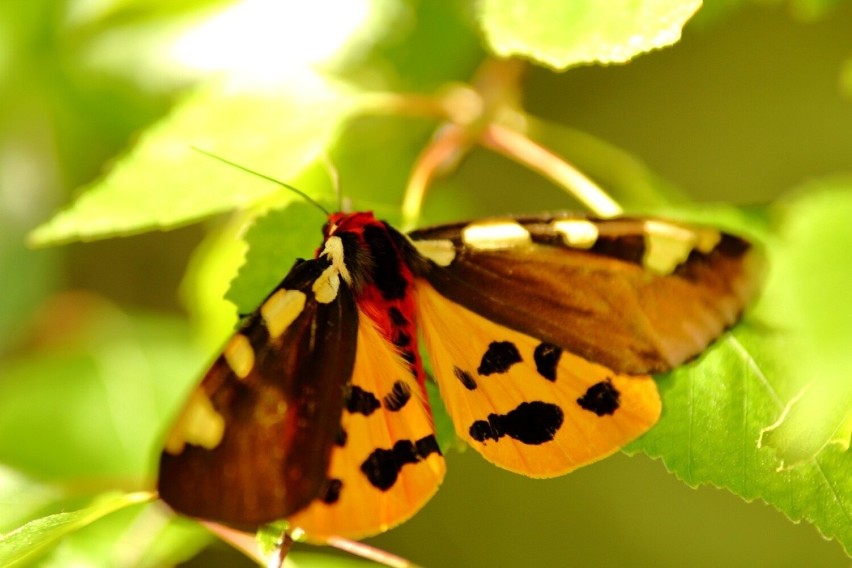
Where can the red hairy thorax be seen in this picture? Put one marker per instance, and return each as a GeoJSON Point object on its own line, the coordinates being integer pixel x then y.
{"type": "Point", "coordinates": [349, 222]}
{"type": "Point", "coordinates": [386, 284]}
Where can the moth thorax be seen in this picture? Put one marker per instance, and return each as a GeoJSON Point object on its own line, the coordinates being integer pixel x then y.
{"type": "Point", "coordinates": [327, 284]}
{"type": "Point", "coordinates": [333, 251]}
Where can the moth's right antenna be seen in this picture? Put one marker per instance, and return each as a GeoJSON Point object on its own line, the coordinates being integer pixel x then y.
{"type": "Point", "coordinates": [333, 175]}
{"type": "Point", "coordinates": [299, 192]}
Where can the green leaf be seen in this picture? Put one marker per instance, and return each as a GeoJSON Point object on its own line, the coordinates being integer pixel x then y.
{"type": "Point", "coordinates": [445, 431]}
{"type": "Point", "coordinates": [177, 542]}
{"type": "Point", "coordinates": [269, 537]}
{"type": "Point", "coordinates": [30, 539]}
{"type": "Point", "coordinates": [713, 413]}
{"type": "Point", "coordinates": [26, 497]}
{"type": "Point", "coordinates": [275, 241]}
{"type": "Point", "coordinates": [142, 536]}
{"type": "Point", "coordinates": [164, 183]}
{"type": "Point", "coordinates": [562, 34]}
{"type": "Point", "coordinates": [810, 279]}
{"type": "Point", "coordinates": [821, 415]}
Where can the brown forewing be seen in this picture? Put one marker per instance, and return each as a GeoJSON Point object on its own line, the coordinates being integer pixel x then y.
{"type": "Point", "coordinates": [280, 420]}
{"type": "Point", "coordinates": [600, 303]}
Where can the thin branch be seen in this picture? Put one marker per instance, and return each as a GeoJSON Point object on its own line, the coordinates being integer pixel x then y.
{"type": "Point", "coordinates": [444, 151]}
{"type": "Point", "coordinates": [518, 147]}
{"type": "Point", "coordinates": [458, 104]}
{"type": "Point", "coordinates": [370, 553]}
{"type": "Point", "coordinates": [242, 541]}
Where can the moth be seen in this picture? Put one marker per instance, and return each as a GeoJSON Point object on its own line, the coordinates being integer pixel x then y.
{"type": "Point", "coordinates": [542, 334]}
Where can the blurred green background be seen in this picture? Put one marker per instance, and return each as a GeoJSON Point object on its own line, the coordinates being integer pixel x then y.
{"type": "Point", "coordinates": [94, 337]}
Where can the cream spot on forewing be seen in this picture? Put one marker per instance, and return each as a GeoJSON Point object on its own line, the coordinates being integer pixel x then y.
{"type": "Point", "coordinates": [280, 309]}
{"type": "Point", "coordinates": [577, 233]}
{"type": "Point", "coordinates": [239, 355]}
{"type": "Point", "coordinates": [440, 251]}
{"type": "Point", "coordinates": [666, 246]}
{"type": "Point", "coordinates": [199, 425]}
{"type": "Point", "coordinates": [495, 235]}
{"type": "Point", "coordinates": [325, 287]}
{"type": "Point", "coordinates": [334, 252]}
{"type": "Point", "coordinates": [707, 239]}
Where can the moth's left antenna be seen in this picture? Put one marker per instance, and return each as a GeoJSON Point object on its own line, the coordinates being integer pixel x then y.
{"type": "Point", "coordinates": [299, 192]}
{"type": "Point", "coordinates": [334, 177]}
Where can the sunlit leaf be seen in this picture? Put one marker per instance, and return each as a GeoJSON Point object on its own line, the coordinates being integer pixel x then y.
{"type": "Point", "coordinates": [177, 542]}
{"type": "Point", "coordinates": [22, 497]}
{"type": "Point", "coordinates": [142, 536]}
{"type": "Point", "coordinates": [274, 243]}
{"type": "Point", "coordinates": [19, 545]}
{"type": "Point", "coordinates": [164, 183]}
{"type": "Point", "coordinates": [809, 282]}
{"type": "Point", "coordinates": [562, 34]}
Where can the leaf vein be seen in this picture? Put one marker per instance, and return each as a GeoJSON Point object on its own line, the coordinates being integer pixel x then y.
{"type": "Point", "coordinates": [755, 368]}
{"type": "Point", "coordinates": [835, 495]}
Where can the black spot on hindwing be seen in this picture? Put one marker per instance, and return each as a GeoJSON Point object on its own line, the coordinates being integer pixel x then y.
{"type": "Point", "coordinates": [387, 270]}
{"type": "Point", "coordinates": [531, 423]}
{"type": "Point", "coordinates": [332, 491]}
{"type": "Point", "coordinates": [382, 466]}
{"type": "Point", "coordinates": [398, 397]}
{"type": "Point", "coordinates": [546, 358]}
{"type": "Point", "coordinates": [361, 401]}
{"type": "Point", "coordinates": [465, 378]}
{"type": "Point", "coordinates": [499, 357]}
{"type": "Point", "coordinates": [601, 398]}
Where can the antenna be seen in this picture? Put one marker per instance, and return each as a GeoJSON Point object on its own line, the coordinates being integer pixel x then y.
{"type": "Point", "coordinates": [299, 192]}
{"type": "Point", "coordinates": [334, 177]}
